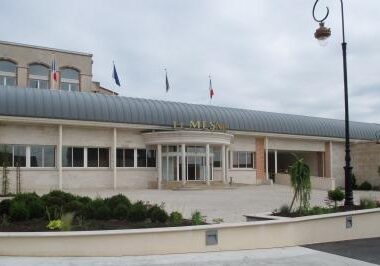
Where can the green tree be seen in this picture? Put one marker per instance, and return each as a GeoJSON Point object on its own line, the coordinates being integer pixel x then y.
{"type": "Point", "coordinates": [4, 164]}
{"type": "Point", "coordinates": [300, 181]}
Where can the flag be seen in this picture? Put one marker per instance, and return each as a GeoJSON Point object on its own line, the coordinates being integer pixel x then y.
{"type": "Point", "coordinates": [54, 71]}
{"type": "Point", "coordinates": [211, 90]}
{"type": "Point", "coordinates": [115, 76]}
{"type": "Point", "coordinates": [167, 81]}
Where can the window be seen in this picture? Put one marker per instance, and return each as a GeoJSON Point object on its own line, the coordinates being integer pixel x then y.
{"type": "Point", "coordinates": [8, 72]}
{"type": "Point", "coordinates": [217, 161]}
{"type": "Point", "coordinates": [125, 157]}
{"type": "Point", "coordinates": [72, 157]}
{"type": "Point", "coordinates": [146, 158]}
{"type": "Point", "coordinates": [42, 156]}
{"type": "Point", "coordinates": [69, 79]}
{"type": "Point", "coordinates": [38, 76]}
{"type": "Point", "coordinates": [98, 157]}
{"type": "Point", "coordinates": [13, 155]}
{"type": "Point", "coordinates": [243, 159]}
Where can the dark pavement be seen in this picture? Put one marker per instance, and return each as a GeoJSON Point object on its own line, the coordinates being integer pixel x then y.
{"type": "Point", "coordinates": [367, 250]}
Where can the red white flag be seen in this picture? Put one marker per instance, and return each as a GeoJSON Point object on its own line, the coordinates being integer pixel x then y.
{"type": "Point", "coordinates": [211, 90]}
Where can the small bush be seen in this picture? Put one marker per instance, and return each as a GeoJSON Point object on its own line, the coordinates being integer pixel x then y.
{"type": "Point", "coordinates": [120, 212]}
{"type": "Point", "coordinates": [84, 200]}
{"type": "Point", "coordinates": [57, 197]}
{"type": "Point", "coordinates": [365, 186]}
{"type": "Point", "coordinates": [285, 209]}
{"type": "Point", "coordinates": [158, 214]}
{"type": "Point", "coordinates": [26, 197]}
{"type": "Point", "coordinates": [36, 208]}
{"type": "Point", "coordinates": [175, 218]}
{"type": "Point", "coordinates": [75, 207]}
{"type": "Point", "coordinates": [316, 210]}
{"type": "Point", "coordinates": [138, 212]}
{"type": "Point", "coordinates": [197, 218]}
{"type": "Point", "coordinates": [117, 200]}
{"type": "Point", "coordinates": [5, 205]}
{"type": "Point", "coordinates": [54, 225]}
{"type": "Point", "coordinates": [367, 203]}
{"type": "Point", "coordinates": [336, 195]}
{"type": "Point", "coordinates": [18, 211]}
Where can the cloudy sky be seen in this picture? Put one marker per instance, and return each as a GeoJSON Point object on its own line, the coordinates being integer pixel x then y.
{"type": "Point", "coordinates": [261, 54]}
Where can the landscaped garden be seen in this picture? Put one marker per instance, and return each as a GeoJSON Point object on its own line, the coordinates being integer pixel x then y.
{"type": "Point", "coordinates": [63, 211]}
{"type": "Point", "coordinates": [301, 183]}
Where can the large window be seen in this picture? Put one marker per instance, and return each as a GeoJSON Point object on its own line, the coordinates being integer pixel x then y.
{"type": "Point", "coordinates": [146, 158]}
{"type": "Point", "coordinates": [8, 72]}
{"type": "Point", "coordinates": [38, 76]}
{"type": "Point", "coordinates": [125, 157]}
{"type": "Point", "coordinates": [42, 156]}
{"type": "Point", "coordinates": [243, 159]}
{"type": "Point", "coordinates": [69, 79]}
{"type": "Point", "coordinates": [72, 156]}
{"type": "Point", "coordinates": [216, 158]}
{"type": "Point", "coordinates": [98, 157]}
{"type": "Point", "coordinates": [13, 155]}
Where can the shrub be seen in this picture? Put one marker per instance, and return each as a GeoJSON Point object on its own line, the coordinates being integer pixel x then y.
{"type": "Point", "coordinates": [26, 197]}
{"type": "Point", "coordinates": [158, 214]}
{"type": "Point", "coordinates": [367, 203]}
{"type": "Point", "coordinates": [316, 210]}
{"type": "Point", "coordinates": [120, 212]}
{"type": "Point", "coordinates": [54, 225]}
{"type": "Point", "coordinates": [138, 212]}
{"type": "Point", "coordinates": [36, 208]}
{"type": "Point", "coordinates": [336, 195]}
{"type": "Point", "coordinates": [57, 197]}
{"type": "Point", "coordinates": [175, 218]}
{"type": "Point", "coordinates": [5, 205]}
{"type": "Point", "coordinates": [197, 218]}
{"type": "Point", "coordinates": [285, 209]}
{"type": "Point", "coordinates": [75, 207]}
{"type": "Point", "coordinates": [18, 211]}
{"type": "Point", "coordinates": [84, 200]}
{"type": "Point", "coordinates": [365, 186]}
{"type": "Point", "coordinates": [53, 212]}
{"type": "Point", "coordinates": [117, 200]}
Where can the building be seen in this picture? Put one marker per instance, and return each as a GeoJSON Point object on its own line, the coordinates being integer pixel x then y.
{"type": "Point", "coordinates": [70, 138]}
{"type": "Point", "coordinates": [23, 65]}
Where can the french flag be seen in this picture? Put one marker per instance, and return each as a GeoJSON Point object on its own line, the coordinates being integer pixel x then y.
{"type": "Point", "coordinates": [54, 71]}
{"type": "Point", "coordinates": [211, 89]}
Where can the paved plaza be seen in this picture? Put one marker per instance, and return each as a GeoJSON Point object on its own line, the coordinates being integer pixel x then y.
{"type": "Point", "coordinates": [228, 204]}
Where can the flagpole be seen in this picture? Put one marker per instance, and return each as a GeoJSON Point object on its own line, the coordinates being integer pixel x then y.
{"type": "Point", "coordinates": [209, 89]}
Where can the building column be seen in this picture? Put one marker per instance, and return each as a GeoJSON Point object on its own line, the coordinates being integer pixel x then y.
{"type": "Point", "coordinates": [59, 157]}
{"type": "Point", "coordinates": [208, 164]}
{"type": "Point", "coordinates": [224, 164]}
{"type": "Point", "coordinates": [260, 160]}
{"type": "Point", "coordinates": [22, 76]}
{"type": "Point", "coordinates": [114, 158]}
{"type": "Point", "coordinates": [228, 158]}
{"type": "Point", "coordinates": [183, 152]}
{"type": "Point", "coordinates": [266, 158]}
{"type": "Point", "coordinates": [159, 168]}
{"type": "Point", "coordinates": [275, 162]}
{"type": "Point", "coordinates": [328, 159]}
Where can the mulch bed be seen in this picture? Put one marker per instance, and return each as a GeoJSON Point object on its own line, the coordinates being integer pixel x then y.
{"type": "Point", "coordinates": [337, 210]}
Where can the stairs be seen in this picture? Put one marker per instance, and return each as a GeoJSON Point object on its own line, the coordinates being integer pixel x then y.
{"type": "Point", "coordinates": [197, 185]}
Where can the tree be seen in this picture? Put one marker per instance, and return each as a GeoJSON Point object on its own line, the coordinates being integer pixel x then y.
{"type": "Point", "coordinates": [4, 164]}
{"type": "Point", "coordinates": [300, 181]}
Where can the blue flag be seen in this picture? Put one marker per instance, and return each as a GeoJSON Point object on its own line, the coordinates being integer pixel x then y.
{"type": "Point", "coordinates": [115, 76]}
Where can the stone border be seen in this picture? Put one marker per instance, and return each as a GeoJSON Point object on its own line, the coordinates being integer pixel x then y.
{"type": "Point", "coordinates": [223, 237]}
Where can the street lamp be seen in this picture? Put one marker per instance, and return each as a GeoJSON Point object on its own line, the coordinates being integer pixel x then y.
{"type": "Point", "coordinates": [321, 34]}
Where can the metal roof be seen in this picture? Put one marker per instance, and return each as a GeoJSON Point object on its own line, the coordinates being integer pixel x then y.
{"type": "Point", "coordinates": [85, 106]}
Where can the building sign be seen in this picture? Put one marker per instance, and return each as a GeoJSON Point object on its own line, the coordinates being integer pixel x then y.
{"type": "Point", "coordinates": [200, 125]}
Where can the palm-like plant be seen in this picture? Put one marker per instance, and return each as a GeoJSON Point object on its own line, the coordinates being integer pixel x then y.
{"type": "Point", "coordinates": [300, 180]}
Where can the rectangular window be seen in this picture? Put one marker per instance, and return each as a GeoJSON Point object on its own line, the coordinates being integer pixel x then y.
{"type": "Point", "coordinates": [151, 158]}
{"type": "Point", "coordinates": [72, 156]}
{"type": "Point", "coordinates": [19, 155]}
{"type": "Point", "coordinates": [146, 158]}
{"type": "Point", "coordinates": [243, 159]}
{"type": "Point", "coordinates": [6, 155]}
{"type": "Point", "coordinates": [125, 157]}
{"type": "Point", "coordinates": [97, 157]}
{"type": "Point", "coordinates": [141, 157]}
{"type": "Point", "coordinates": [42, 156]}
{"type": "Point", "coordinates": [217, 159]}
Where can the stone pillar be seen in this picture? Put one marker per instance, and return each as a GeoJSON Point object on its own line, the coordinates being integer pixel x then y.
{"type": "Point", "coordinates": [275, 162]}
{"type": "Point", "coordinates": [114, 158]}
{"type": "Point", "coordinates": [22, 76]}
{"type": "Point", "coordinates": [328, 159]}
{"type": "Point", "coordinates": [227, 164]}
{"type": "Point", "coordinates": [267, 158]}
{"type": "Point", "coordinates": [159, 165]}
{"type": "Point", "coordinates": [59, 156]}
{"type": "Point", "coordinates": [223, 153]}
{"type": "Point", "coordinates": [260, 160]}
{"type": "Point", "coordinates": [183, 152]}
{"type": "Point", "coordinates": [208, 164]}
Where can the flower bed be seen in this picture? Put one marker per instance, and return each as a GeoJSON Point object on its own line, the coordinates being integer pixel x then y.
{"type": "Point", "coordinates": [58, 210]}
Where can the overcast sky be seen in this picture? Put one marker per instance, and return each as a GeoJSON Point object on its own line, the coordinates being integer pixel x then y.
{"type": "Point", "coordinates": [261, 54]}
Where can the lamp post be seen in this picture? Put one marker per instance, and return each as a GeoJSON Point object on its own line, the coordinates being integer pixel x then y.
{"type": "Point", "coordinates": [322, 33]}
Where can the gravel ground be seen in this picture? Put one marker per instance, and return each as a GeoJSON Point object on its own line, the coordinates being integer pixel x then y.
{"type": "Point", "coordinates": [228, 204]}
